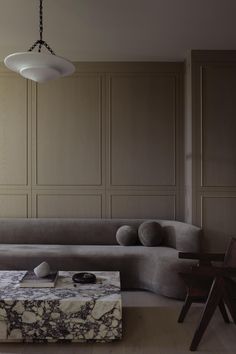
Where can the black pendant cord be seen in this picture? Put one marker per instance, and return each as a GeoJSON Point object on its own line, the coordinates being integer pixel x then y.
{"type": "Point", "coordinates": [40, 42]}
{"type": "Point", "coordinates": [41, 20]}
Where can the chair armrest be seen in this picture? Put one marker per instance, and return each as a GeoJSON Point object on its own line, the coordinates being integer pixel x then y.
{"type": "Point", "coordinates": [229, 271]}
{"type": "Point", "coordinates": [206, 271]}
{"type": "Point", "coordinates": [209, 271]}
{"type": "Point", "coordinates": [204, 257]}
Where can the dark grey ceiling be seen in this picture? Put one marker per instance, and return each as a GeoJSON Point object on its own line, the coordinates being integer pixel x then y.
{"type": "Point", "coordinates": [94, 30]}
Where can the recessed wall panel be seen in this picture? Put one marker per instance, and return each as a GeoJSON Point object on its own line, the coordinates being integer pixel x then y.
{"type": "Point", "coordinates": [218, 125]}
{"type": "Point", "coordinates": [13, 130]}
{"type": "Point", "coordinates": [68, 139]}
{"type": "Point", "coordinates": [13, 206]}
{"type": "Point", "coordinates": [69, 206]}
{"type": "Point", "coordinates": [143, 206]}
{"type": "Point", "coordinates": [142, 130]}
{"type": "Point", "coordinates": [218, 222]}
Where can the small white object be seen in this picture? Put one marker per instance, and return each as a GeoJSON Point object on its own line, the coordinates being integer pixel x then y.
{"type": "Point", "coordinates": [42, 270]}
{"type": "Point", "coordinates": [39, 67]}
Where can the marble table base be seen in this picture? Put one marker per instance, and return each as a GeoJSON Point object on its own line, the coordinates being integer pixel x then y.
{"type": "Point", "coordinates": [88, 312]}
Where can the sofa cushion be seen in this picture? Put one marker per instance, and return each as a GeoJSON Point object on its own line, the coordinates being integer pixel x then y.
{"type": "Point", "coordinates": [152, 268]}
{"type": "Point", "coordinates": [150, 233]}
{"type": "Point", "coordinates": [127, 235]}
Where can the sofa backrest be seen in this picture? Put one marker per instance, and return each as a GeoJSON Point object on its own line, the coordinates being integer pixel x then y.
{"type": "Point", "coordinates": [90, 231]}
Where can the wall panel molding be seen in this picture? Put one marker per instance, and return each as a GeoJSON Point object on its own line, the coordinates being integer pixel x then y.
{"type": "Point", "coordinates": [142, 205]}
{"type": "Point", "coordinates": [136, 129]}
{"type": "Point", "coordinates": [218, 220]}
{"type": "Point", "coordinates": [217, 142]}
{"type": "Point", "coordinates": [14, 205]}
{"type": "Point", "coordinates": [68, 205]}
{"type": "Point", "coordinates": [74, 141]}
{"type": "Point", "coordinates": [14, 136]}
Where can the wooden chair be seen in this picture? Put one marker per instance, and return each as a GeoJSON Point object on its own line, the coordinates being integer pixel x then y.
{"type": "Point", "coordinates": [212, 284]}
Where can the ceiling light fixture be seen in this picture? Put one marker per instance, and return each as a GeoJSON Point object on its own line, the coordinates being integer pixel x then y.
{"type": "Point", "coordinates": [37, 66]}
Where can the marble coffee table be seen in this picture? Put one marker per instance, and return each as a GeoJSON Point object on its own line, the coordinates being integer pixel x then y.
{"type": "Point", "coordinates": [85, 312]}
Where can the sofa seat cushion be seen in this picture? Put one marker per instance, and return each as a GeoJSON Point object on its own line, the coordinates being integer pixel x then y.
{"type": "Point", "coordinates": [151, 268]}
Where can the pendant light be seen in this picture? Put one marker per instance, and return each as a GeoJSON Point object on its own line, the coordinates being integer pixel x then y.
{"type": "Point", "coordinates": [38, 66]}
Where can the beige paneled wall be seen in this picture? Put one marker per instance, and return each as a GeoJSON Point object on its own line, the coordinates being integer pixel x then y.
{"type": "Point", "coordinates": [142, 121]}
{"type": "Point", "coordinates": [214, 145]}
{"type": "Point", "coordinates": [108, 142]}
{"type": "Point", "coordinates": [105, 142]}
{"type": "Point", "coordinates": [146, 205]}
{"type": "Point", "coordinates": [15, 146]}
{"type": "Point", "coordinates": [69, 132]}
{"type": "Point", "coordinates": [13, 131]}
{"type": "Point", "coordinates": [68, 205]}
{"type": "Point", "coordinates": [13, 205]}
{"type": "Point", "coordinates": [218, 125]}
{"type": "Point", "coordinates": [218, 218]}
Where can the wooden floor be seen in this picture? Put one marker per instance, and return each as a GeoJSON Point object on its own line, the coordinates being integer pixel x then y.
{"type": "Point", "coordinates": [149, 327]}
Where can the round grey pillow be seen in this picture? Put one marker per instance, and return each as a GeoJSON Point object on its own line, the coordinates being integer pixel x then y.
{"type": "Point", "coordinates": [150, 233]}
{"type": "Point", "coordinates": [127, 235]}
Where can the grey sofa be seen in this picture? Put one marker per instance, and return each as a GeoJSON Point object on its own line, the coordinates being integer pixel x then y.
{"type": "Point", "coordinates": [90, 244]}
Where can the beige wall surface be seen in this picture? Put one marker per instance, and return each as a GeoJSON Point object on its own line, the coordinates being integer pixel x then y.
{"type": "Point", "coordinates": [13, 131]}
{"type": "Point", "coordinates": [108, 142]}
{"type": "Point", "coordinates": [142, 130]}
{"type": "Point", "coordinates": [213, 80]}
{"type": "Point", "coordinates": [68, 131]}
{"type": "Point", "coordinates": [105, 142]}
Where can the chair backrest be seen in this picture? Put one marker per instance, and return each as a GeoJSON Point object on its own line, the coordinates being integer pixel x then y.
{"type": "Point", "coordinates": [230, 255]}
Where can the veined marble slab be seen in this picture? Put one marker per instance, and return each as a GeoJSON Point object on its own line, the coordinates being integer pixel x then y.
{"type": "Point", "coordinates": [68, 312]}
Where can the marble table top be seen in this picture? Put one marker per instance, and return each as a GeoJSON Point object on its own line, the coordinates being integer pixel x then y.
{"type": "Point", "coordinates": [107, 285]}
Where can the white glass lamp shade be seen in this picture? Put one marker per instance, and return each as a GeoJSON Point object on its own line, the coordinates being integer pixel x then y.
{"type": "Point", "coordinates": [39, 67]}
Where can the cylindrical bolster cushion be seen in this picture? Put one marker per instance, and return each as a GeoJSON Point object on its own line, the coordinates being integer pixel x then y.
{"type": "Point", "coordinates": [127, 236]}
{"type": "Point", "coordinates": [150, 233]}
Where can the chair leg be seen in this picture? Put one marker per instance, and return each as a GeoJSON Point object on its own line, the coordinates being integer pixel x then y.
{"type": "Point", "coordinates": [185, 308]}
{"type": "Point", "coordinates": [232, 310]}
{"type": "Point", "coordinates": [223, 311]}
{"type": "Point", "coordinates": [213, 300]}
{"type": "Point", "coordinates": [228, 297]}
